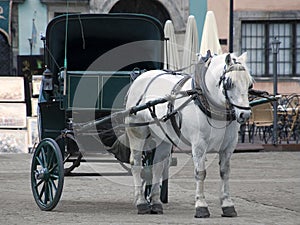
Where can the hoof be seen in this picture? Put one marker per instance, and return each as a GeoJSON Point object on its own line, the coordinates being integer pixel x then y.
{"type": "Point", "coordinates": [157, 209]}
{"type": "Point", "coordinates": [229, 211]}
{"type": "Point", "coordinates": [144, 208]}
{"type": "Point", "coordinates": [202, 212]}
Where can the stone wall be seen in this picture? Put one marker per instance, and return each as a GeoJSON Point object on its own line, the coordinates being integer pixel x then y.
{"type": "Point", "coordinates": [178, 10]}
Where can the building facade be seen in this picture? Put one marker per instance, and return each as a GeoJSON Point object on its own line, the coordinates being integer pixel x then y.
{"type": "Point", "coordinates": [255, 23]}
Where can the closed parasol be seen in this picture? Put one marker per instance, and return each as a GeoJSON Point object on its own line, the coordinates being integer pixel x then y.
{"type": "Point", "coordinates": [191, 46]}
{"type": "Point", "coordinates": [171, 56]}
{"type": "Point", "coordinates": [210, 36]}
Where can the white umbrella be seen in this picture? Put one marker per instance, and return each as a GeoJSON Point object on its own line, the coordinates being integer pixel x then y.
{"type": "Point", "coordinates": [210, 36]}
{"type": "Point", "coordinates": [171, 51]}
{"type": "Point", "coordinates": [191, 46]}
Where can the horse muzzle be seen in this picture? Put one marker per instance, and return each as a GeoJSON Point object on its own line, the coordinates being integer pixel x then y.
{"type": "Point", "coordinates": [242, 116]}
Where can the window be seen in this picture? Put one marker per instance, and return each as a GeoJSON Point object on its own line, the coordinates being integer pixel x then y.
{"type": "Point", "coordinates": [256, 40]}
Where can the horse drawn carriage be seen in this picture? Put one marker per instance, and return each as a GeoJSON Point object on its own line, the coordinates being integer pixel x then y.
{"type": "Point", "coordinates": [91, 61]}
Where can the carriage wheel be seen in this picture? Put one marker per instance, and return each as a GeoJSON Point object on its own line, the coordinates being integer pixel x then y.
{"type": "Point", "coordinates": [47, 174]}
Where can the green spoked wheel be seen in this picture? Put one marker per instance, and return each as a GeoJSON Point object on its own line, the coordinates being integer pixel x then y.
{"type": "Point", "coordinates": [47, 174]}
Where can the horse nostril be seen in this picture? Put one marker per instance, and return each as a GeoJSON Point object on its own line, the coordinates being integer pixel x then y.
{"type": "Point", "coordinates": [245, 115]}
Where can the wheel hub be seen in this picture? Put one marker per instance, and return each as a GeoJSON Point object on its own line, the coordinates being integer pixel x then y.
{"type": "Point", "coordinates": [42, 174]}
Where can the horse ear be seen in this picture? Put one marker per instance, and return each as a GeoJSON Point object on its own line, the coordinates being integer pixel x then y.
{"type": "Point", "coordinates": [228, 60]}
{"type": "Point", "coordinates": [243, 57]}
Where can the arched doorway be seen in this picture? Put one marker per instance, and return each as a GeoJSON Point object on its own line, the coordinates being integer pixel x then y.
{"type": "Point", "coordinates": [148, 7]}
{"type": "Point", "coordinates": [5, 57]}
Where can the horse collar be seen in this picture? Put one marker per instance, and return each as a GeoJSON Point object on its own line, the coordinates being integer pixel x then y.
{"type": "Point", "coordinates": [208, 108]}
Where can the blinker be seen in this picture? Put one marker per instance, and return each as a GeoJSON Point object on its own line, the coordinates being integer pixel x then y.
{"type": "Point", "coordinates": [227, 83]}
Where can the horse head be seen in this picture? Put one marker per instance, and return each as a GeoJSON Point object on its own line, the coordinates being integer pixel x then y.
{"type": "Point", "coordinates": [234, 84]}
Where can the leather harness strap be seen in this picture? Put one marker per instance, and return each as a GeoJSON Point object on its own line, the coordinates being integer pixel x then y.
{"type": "Point", "coordinates": [177, 126]}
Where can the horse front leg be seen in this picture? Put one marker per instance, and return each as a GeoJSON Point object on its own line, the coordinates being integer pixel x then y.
{"type": "Point", "coordinates": [200, 175]}
{"type": "Point", "coordinates": [225, 200]}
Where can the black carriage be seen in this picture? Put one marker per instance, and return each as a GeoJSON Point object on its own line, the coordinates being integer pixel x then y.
{"type": "Point", "coordinates": [91, 60]}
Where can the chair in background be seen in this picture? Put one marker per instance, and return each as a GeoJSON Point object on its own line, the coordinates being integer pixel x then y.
{"type": "Point", "coordinates": [261, 122]}
{"type": "Point", "coordinates": [288, 119]}
{"type": "Point", "coordinates": [293, 101]}
{"type": "Point", "coordinates": [294, 125]}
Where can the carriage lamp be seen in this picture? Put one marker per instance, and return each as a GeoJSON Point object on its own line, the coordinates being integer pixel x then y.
{"type": "Point", "coordinates": [275, 49]}
{"type": "Point", "coordinates": [47, 80]}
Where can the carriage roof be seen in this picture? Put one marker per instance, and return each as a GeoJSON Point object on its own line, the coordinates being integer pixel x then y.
{"type": "Point", "coordinates": [91, 35]}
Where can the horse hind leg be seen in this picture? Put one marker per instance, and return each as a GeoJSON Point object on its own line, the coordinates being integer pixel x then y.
{"type": "Point", "coordinates": [225, 200]}
{"type": "Point", "coordinates": [141, 202]}
{"type": "Point", "coordinates": [137, 140]}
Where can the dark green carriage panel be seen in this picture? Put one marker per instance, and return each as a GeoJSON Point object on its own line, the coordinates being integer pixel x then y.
{"type": "Point", "coordinates": [97, 91]}
{"type": "Point", "coordinates": [114, 91]}
{"type": "Point", "coordinates": [52, 119]}
{"type": "Point", "coordinates": [83, 91]}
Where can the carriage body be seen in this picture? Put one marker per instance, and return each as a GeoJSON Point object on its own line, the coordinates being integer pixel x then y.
{"type": "Point", "coordinates": [99, 51]}
{"type": "Point", "coordinates": [90, 60]}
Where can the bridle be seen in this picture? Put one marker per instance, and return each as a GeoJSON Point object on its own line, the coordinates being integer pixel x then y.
{"type": "Point", "coordinates": [227, 84]}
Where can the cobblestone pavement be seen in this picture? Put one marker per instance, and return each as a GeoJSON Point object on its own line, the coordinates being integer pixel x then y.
{"type": "Point", "coordinates": [265, 188]}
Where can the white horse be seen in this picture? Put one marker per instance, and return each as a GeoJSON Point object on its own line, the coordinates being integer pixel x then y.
{"type": "Point", "coordinates": [208, 125]}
